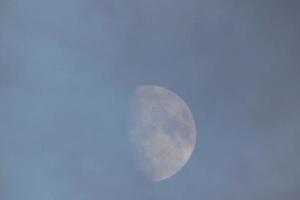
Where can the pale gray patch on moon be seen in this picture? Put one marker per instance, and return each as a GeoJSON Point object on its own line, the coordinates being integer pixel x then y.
{"type": "Point", "coordinates": [163, 131]}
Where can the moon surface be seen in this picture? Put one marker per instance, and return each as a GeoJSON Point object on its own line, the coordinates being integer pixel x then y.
{"type": "Point", "coordinates": [163, 131]}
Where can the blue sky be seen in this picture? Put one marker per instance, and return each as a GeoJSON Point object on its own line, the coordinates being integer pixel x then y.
{"type": "Point", "coordinates": [68, 70]}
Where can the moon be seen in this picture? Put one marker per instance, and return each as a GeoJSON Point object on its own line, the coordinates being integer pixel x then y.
{"type": "Point", "coordinates": [162, 132]}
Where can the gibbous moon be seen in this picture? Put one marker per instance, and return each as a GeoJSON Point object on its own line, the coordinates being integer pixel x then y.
{"type": "Point", "coordinates": [163, 131]}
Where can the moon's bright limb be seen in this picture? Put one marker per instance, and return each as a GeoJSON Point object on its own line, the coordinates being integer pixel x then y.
{"type": "Point", "coordinates": [163, 131]}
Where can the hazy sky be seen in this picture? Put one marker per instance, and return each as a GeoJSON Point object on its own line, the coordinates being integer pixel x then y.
{"type": "Point", "coordinates": [68, 69]}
